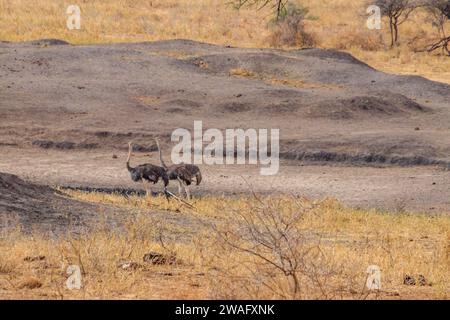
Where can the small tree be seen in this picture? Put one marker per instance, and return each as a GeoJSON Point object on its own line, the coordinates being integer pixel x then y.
{"type": "Point", "coordinates": [439, 11]}
{"type": "Point", "coordinates": [440, 14]}
{"type": "Point", "coordinates": [398, 12]}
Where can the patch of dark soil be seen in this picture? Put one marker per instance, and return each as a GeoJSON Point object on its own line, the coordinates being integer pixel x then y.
{"type": "Point", "coordinates": [119, 140]}
{"type": "Point", "coordinates": [160, 258]}
{"type": "Point", "coordinates": [37, 207]}
{"type": "Point", "coordinates": [184, 45]}
{"type": "Point", "coordinates": [63, 145]}
{"type": "Point", "coordinates": [375, 144]}
{"type": "Point", "coordinates": [281, 107]}
{"type": "Point", "coordinates": [119, 191]}
{"type": "Point", "coordinates": [364, 106]}
{"type": "Point", "coordinates": [177, 110]}
{"type": "Point", "coordinates": [332, 54]}
{"type": "Point", "coordinates": [278, 107]}
{"type": "Point", "coordinates": [47, 144]}
{"type": "Point", "coordinates": [88, 146]}
{"type": "Point", "coordinates": [110, 134]}
{"type": "Point", "coordinates": [362, 159]}
{"type": "Point", "coordinates": [146, 148]}
{"type": "Point", "coordinates": [49, 42]}
{"type": "Point", "coordinates": [126, 192]}
{"type": "Point", "coordinates": [235, 107]}
{"type": "Point", "coordinates": [102, 134]}
{"type": "Point", "coordinates": [286, 94]}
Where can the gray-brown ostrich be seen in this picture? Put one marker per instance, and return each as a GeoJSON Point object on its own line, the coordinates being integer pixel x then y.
{"type": "Point", "coordinates": [183, 173]}
{"type": "Point", "coordinates": [147, 173]}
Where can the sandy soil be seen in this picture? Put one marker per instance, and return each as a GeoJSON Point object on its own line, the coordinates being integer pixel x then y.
{"type": "Point", "coordinates": [423, 188]}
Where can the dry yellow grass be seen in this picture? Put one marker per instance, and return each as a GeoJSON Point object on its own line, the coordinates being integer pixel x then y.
{"type": "Point", "coordinates": [340, 243]}
{"type": "Point", "coordinates": [349, 240]}
{"type": "Point", "coordinates": [267, 78]}
{"type": "Point", "coordinates": [337, 24]}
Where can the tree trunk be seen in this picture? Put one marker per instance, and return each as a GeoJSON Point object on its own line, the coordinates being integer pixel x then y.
{"type": "Point", "coordinates": [391, 26]}
{"type": "Point", "coordinates": [279, 9]}
{"type": "Point", "coordinates": [396, 33]}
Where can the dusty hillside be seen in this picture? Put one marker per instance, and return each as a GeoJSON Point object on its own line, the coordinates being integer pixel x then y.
{"type": "Point", "coordinates": [338, 24]}
{"type": "Point", "coordinates": [38, 208]}
{"type": "Point", "coordinates": [328, 105]}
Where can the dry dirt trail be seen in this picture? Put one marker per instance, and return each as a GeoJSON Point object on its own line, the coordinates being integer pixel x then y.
{"type": "Point", "coordinates": [348, 131]}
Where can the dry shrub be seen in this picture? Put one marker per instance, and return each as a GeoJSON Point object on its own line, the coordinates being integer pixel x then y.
{"type": "Point", "coordinates": [245, 247]}
{"type": "Point", "coordinates": [263, 251]}
{"type": "Point", "coordinates": [290, 31]}
{"type": "Point", "coordinates": [419, 41]}
{"type": "Point", "coordinates": [30, 283]}
{"type": "Point", "coordinates": [241, 72]}
{"type": "Point", "coordinates": [365, 40]}
{"type": "Point", "coordinates": [6, 267]}
{"type": "Point", "coordinates": [287, 248]}
{"type": "Point", "coordinates": [287, 34]}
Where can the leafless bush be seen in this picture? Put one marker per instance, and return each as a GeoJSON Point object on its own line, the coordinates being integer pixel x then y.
{"type": "Point", "coordinates": [365, 40]}
{"type": "Point", "coordinates": [263, 252]}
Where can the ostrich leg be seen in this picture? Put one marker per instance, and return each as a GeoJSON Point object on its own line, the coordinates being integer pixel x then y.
{"type": "Point", "coordinates": [180, 187]}
{"type": "Point", "coordinates": [147, 188]}
{"type": "Point", "coordinates": [188, 193]}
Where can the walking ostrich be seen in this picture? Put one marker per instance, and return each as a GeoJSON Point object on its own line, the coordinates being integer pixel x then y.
{"type": "Point", "coordinates": [147, 173]}
{"type": "Point", "coordinates": [184, 173]}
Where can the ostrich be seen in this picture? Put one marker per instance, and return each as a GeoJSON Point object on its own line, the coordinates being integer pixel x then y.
{"type": "Point", "coordinates": [184, 173]}
{"type": "Point", "coordinates": [147, 173]}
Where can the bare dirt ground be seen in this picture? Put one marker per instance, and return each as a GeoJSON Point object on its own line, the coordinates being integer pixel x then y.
{"type": "Point", "coordinates": [368, 138]}
{"type": "Point", "coordinates": [419, 188]}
